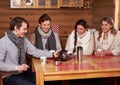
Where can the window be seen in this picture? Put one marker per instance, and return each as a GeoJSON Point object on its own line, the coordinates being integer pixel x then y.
{"type": "Point", "coordinates": [117, 14]}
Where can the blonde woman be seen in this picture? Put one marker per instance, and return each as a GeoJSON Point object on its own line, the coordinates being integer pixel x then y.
{"type": "Point", "coordinates": [108, 40]}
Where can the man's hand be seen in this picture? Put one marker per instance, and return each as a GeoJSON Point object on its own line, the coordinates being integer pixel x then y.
{"type": "Point", "coordinates": [23, 67]}
{"type": "Point", "coordinates": [56, 53]}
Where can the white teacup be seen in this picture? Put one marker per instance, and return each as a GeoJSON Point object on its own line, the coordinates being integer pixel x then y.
{"type": "Point", "coordinates": [57, 62]}
{"type": "Point", "coordinates": [99, 50]}
{"type": "Point", "coordinates": [52, 51]}
{"type": "Point", "coordinates": [69, 52]}
{"type": "Point", "coordinates": [43, 60]}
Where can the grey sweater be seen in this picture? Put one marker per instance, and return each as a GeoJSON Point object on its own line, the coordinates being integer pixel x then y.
{"type": "Point", "coordinates": [9, 56]}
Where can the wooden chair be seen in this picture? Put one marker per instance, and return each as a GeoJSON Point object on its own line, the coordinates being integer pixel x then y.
{"type": "Point", "coordinates": [1, 79]}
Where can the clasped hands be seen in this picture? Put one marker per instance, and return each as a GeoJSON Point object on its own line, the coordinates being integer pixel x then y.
{"type": "Point", "coordinates": [102, 52]}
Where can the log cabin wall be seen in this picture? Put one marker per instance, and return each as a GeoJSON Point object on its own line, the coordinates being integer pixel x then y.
{"type": "Point", "coordinates": [119, 14]}
{"type": "Point", "coordinates": [66, 18]}
{"type": "Point", "coordinates": [101, 8]}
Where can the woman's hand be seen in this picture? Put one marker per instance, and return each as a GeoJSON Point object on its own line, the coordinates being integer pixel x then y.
{"type": "Point", "coordinates": [96, 53]}
{"type": "Point", "coordinates": [107, 52]}
{"type": "Point", "coordinates": [99, 52]}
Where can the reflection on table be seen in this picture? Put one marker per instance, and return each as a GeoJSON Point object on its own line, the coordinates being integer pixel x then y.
{"type": "Point", "coordinates": [91, 67]}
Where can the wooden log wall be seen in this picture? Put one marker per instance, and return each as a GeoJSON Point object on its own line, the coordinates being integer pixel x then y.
{"type": "Point", "coordinates": [66, 18]}
{"type": "Point", "coordinates": [101, 8]}
{"type": "Point", "coordinates": [118, 14]}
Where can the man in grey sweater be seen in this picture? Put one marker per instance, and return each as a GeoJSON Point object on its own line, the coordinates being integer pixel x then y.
{"type": "Point", "coordinates": [13, 47]}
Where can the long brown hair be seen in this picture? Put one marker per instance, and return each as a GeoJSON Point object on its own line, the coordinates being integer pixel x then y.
{"type": "Point", "coordinates": [82, 23]}
{"type": "Point", "coordinates": [110, 21]}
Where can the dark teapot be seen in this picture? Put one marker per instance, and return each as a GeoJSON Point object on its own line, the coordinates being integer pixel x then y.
{"type": "Point", "coordinates": [64, 56]}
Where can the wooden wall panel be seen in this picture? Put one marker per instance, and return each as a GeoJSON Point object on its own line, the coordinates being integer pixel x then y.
{"type": "Point", "coordinates": [119, 14]}
{"type": "Point", "coordinates": [100, 9]}
{"type": "Point", "coordinates": [66, 18]}
{"type": "Point", "coordinates": [119, 21]}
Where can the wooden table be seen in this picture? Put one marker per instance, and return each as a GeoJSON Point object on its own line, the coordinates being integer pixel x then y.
{"type": "Point", "coordinates": [91, 67]}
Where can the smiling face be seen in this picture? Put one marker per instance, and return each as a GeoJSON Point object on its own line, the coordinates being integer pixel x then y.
{"type": "Point", "coordinates": [105, 26]}
{"type": "Point", "coordinates": [21, 31]}
{"type": "Point", "coordinates": [80, 29]}
{"type": "Point", "coordinates": [45, 26]}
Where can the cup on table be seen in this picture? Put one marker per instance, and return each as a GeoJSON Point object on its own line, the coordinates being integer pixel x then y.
{"type": "Point", "coordinates": [43, 60]}
{"type": "Point", "coordinates": [99, 50]}
{"type": "Point", "coordinates": [69, 53]}
{"type": "Point", "coordinates": [57, 62]}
